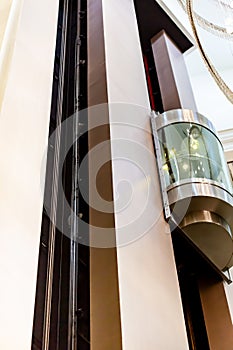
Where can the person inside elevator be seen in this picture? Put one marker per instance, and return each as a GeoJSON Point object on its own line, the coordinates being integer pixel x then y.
{"type": "Point", "coordinates": [194, 155]}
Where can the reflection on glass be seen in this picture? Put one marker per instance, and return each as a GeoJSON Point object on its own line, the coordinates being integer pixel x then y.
{"type": "Point", "coordinates": [192, 151]}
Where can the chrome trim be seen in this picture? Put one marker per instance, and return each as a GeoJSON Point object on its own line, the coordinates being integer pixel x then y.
{"type": "Point", "coordinates": [183, 116]}
{"type": "Point", "coordinates": [205, 216]}
{"type": "Point", "coordinates": [199, 189]}
{"type": "Point", "coordinates": [196, 197]}
{"type": "Point", "coordinates": [212, 235]}
{"type": "Point", "coordinates": [158, 152]}
{"type": "Point", "coordinates": [199, 180]}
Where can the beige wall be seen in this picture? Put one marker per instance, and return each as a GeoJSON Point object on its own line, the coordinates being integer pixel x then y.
{"type": "Point", "coordinates": [10, 16]}
{"type": "Point", "coordinates": [5, 7]}
{"type": "Point", "coordinates": [150, 305]}
{"type": "Point", "coordinates": [24, 122]}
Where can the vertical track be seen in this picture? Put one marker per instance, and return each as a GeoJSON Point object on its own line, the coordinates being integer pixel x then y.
{"type": "Point", "coordinates": [61, 317]}
{"type": "Point", "coordinates": [72, 337]}
{"type": "Point", "coordinates": [52, 232]}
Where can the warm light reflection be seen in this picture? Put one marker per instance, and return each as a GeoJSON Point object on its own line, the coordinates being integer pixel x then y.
{"type": "Point", "coordinates": [185, 166]}
{"type": "Point", "coordinates": [165, 167]}
{"type": "Point", "coordinates": [194, 144]}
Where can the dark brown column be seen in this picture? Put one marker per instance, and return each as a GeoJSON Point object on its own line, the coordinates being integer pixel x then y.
{"type": "Point", "coordinates": [172, 74]}
{"type": "Point", "coordinates": [216, 314]}
{"type": "Point", "coordinates": [104, 293]}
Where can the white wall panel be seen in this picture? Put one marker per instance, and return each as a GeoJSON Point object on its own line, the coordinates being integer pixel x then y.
{"type": "Point", "coordinates": [10, 19]}
{"type": "Point", "coordinates": [24, 123]}
{"type": "Point", "coordinates": [5, 6]}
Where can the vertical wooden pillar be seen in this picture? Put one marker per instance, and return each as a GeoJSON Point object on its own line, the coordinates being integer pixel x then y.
{"type": "Point", "coordinates": [216, 314]}
{"type": "Point", "coordinates": [104, 293]}
{"type": "Point", "coordinates": [172, 74]}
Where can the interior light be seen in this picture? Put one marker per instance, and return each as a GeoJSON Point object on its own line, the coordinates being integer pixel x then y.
{"type": "Point", "coordinates": [172, 152]}
{"type": "Point", "coordinates": [194, 144]}
{"type": "Point", "coordinates": [165, 167]}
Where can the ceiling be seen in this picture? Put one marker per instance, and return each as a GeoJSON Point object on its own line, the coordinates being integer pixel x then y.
{"type": "Point", "coordinates": [209, 98]}
{"type": "Point", "coordinates": [155, 15]}
{"type": "Point", "coordinates": [152, 19]}
{"type": "Point", "coordinates": [219, 51]}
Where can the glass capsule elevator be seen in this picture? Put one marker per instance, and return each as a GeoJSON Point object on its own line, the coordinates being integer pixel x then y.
{"type": "Point", "coordinates": [197, 182]}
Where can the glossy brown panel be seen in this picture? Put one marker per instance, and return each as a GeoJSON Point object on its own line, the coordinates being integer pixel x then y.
{"type": "Point", "coordinates": [104, 291]}
{"type": "Point", "coordinates": [173, 78]}
{"type": "Point", "coordinates": [216, 314]}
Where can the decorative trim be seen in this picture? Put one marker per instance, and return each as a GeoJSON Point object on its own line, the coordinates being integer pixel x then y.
{"type": "Point", "coordinates": [158, 153]}
{"type": "Point", "coordinates": [209, 26]}
{"type": "Point", "coordinates": [214, 73]}
{"type": "Point", "coordinates": [226, 137]}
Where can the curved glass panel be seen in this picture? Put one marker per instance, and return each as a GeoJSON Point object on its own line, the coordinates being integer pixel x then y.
{"type": "Point", "coordinates": [189, 151]}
